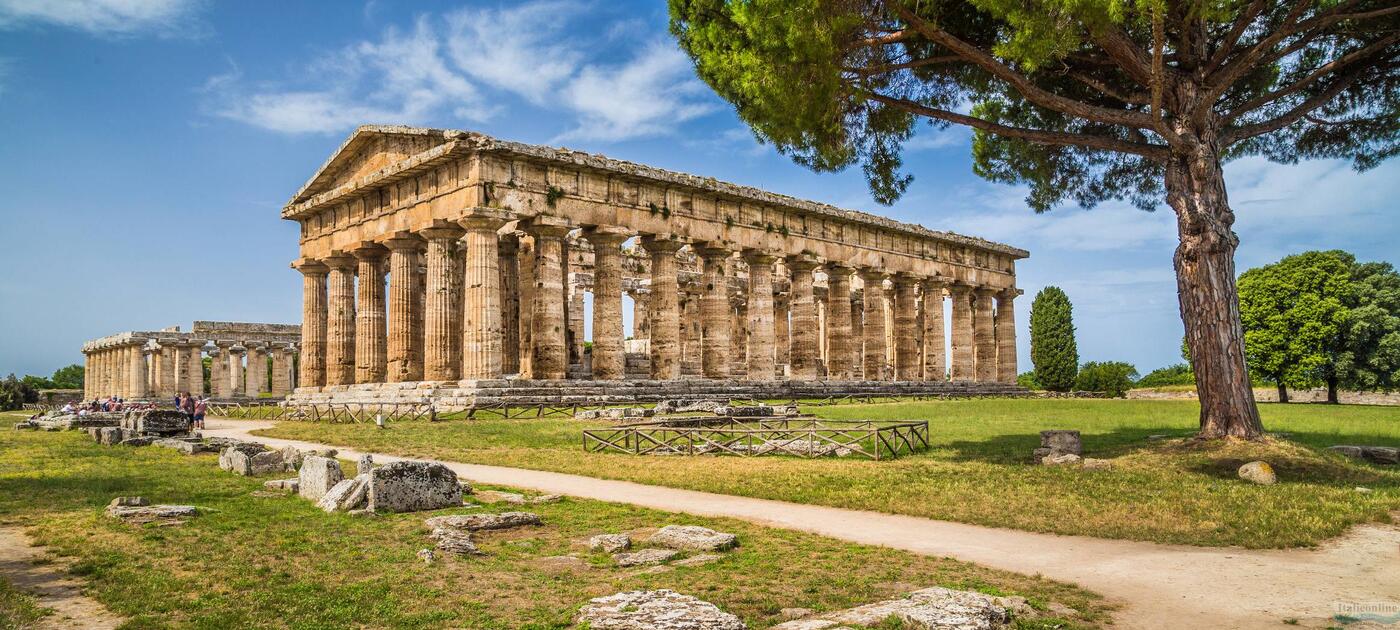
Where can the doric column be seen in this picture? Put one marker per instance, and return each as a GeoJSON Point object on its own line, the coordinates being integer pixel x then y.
{"type": "Point", "coordinates": [255, 376]}
{"type": "Point", "coordinates": [761, 355]}
{"type": "Point", "coordinates": [282, 370]}
{"type": "Point", "coordinates": [236, 375]}
{"type": "Point", "coordinates": [906, 358]}
{"type": "Point", "coordinates": [403, 308]}
{"type": "Point", "coordinates": [873, 326]}
{"type": "Point", "coordinates": [218, 370]}
{"type": "Point", "coordinates": [313, 324]}
{"type": "Point", "coordinates": [738, 335]}
{"type": "Point", "coordinates": [715, 344]}
{"type": "Point", "coordinates": [508, 257]}
{"type": "Point", "coordinates": [152, 370]}
{"type": "Point", "coordinates": [840, 358]}
{"type": "Point", "coordinates": [782, 341]}
{"type": "Point", "coordinates": [442, 321]}
{"type": "Point", "coordinates": [340, 323]}
{"type": "Point", "coordinates": [984, 338]}
{"type": "Point", "coordinates": [182, 368]}
{"type": "Point", "coordinates": [549, 358]}
{"type": "Point", "coordinates": [935, 358]}
{"type": "Point", "coordinates": [482, 331]}
{"type": "Point", "coordinates": [609, 352]}
{"type": "Point", "coordinates": [665, 307]}
{"type": "Point", "coordinates": [167, 369]}
{"type": "Point", "coordinates": [1006, 336]}
{"type": "Point", "coordinates": [964, 361]}
{"type": "Point", "coordinates": [528, 261]}
{"type": "Point", "coordinates": [195, 384]}
{"type": "Point", "coordinates": [803, 354]}
{"type": "Point", "coordinates": [136, 373]}
{"type": "Point", "coordinates": [371, 331]}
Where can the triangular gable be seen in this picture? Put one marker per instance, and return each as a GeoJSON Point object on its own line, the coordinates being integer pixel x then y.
{"type": "Point", "coordinates": [370, 148]}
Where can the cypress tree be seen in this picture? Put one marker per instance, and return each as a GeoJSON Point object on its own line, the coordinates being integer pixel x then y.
{"type": "Point", "coordinates": [1053, 351]}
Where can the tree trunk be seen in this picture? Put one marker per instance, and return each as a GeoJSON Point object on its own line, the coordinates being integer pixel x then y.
{"type": "Point", "coordinates": [1282, 393]}
{"type": "Point", "coordinates": [1205, 278]}
{"type": "Point", "coordinates": [1332, 390]}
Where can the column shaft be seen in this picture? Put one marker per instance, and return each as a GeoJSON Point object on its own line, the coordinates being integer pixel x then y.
{"type": "Point", "coordinates": [839, 354]}
{"type": "Point", "coordinates": [218, 372]}
{"type": "Point", "coordinates": [907, 366]}
{"type": "Point", "coordinates": [665, 305]}
{"type": "Point", "coordinates": [761, 355]}
{"type": "Point", "coordinates": [549, 359]}
{"type": "Point", "coordinates": [935, 355]}
{"type": "Point", "coordinates": [442, 321]}
{"type": "Point", "coordinates": [195, 360]}
{"type": "Point", "coordinates": [482, 331]}
{"type": "Point", "coordinates": [804, 322]}
{"type": "Point", "coordinates": [136, 385]}
{"type": "Point", "coordinates": [340, 323]}
{"type": "Point", "coordinates": [964, 360]}
{"type": "Point", "coordinates": [371, 332]}
{"type": "Point", "coordinates": [609, 356]}
{"type": "Point", "coordinates": [403, 307]}
{"type": "Point", "coordinates": [984, 336]}
{"type": "Point", "coordinates": [235, 371]}
{"type": "Point", "coordinates": [874, 359]}
{"type": "Point", "coordinates": [508, 249]}
{"type": "Point", "coordinates": [1006, 337]}
{"type": "Point", "coordinates": [313, 326]}
{"type": "Point", "coordinates": [715, 344]}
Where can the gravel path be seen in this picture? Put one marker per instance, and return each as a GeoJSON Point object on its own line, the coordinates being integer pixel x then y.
{"type": "Point", "coordinates": [1156, 585]}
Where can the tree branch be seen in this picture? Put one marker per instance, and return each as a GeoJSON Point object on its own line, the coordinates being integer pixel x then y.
{"type": "Point", "coordinates": [894, 67]}
{"type": "Point", "coordinates": [1103, 88]}
{"type": "Point", "coordinates": [1019, 82]}
{"type": "Point", "coordinates": [1297, 113]}
{"type": "Point", "coordinates": [1322, 71]}
{"type": "Point", "coordinates": [1039, 136]}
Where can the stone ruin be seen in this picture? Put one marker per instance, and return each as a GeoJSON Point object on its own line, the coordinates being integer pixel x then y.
{"type": "Point", "coordinates": [136, 365]}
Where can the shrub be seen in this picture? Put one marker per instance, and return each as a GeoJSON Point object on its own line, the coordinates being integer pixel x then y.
{"type": "Point", "coordinates": [1114, 378]}
{"type": "Point", "coordinates": [1179, 374]}
{"type": "Point", "coordinates": [1027, 380]}
{"type": "Point", "coordinates": [14, 393]}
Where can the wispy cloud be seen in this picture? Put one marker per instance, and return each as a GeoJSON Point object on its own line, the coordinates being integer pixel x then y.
{"type": "Point", "coordinates": [463, 65]}
{"type": "Point", "coordinates": [105, 17]}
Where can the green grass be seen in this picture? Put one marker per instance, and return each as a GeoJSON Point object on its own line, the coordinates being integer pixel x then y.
{"type": "Point", "coordinates": [979, 469]}
{"type": "Point", "coordinates": [18, 610]}
{"type": "Point", "coordinates": [251, 561]}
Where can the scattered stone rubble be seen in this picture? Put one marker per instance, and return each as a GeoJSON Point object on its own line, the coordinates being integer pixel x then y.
{"type": "Point", "coordinates": [138, 511]}
{"type": "Point", "coordinates": [317, 476]}
{"type": "Point", "coordinates": [1056, 445]}
{"type": "Point", "coordinates": [1385, 455]}
{"type": "Point", "coordinates": [687, 406]}
{"type": "Point", "coordinates": [693, 538]}
{"type": "Point", "coordinates": [453, 533]}
{"type": "Point", "coordinates": [615, 413]}
{"type": "Point", "coordinates": [57, 421]}
{"type": "Point", "coordinates": [645, 557]}
{"type": "Point", "coordinates": [930, 608]}
{"type": "Point", "coordinates": [655, 610]}
{"type": "Point", "coordinates": [251, 459]}
{"type": "Point", "coordinates": [610, 543]}
{"type": "Point", "coordinates": [409, 486]}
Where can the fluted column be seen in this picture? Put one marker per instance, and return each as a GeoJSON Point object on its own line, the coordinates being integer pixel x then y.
{"type": "Point", "coordinates": [508, 255]}
{"type": "Point", "coordinates": [715, 344]}
{"type": "Point", "coordinates": [136, 373]}
{"type": "Point", "coordinates": [1006, 336]}
{"type": "Point", "coordinates": [840, 358]}
{"type": "Point", "coordinates": [371, 331]}
{"type": "Point", "coordinates": [340, 322]}
{"type": "Point", "coordinates": [664, 307]}
{"type": "Point", "coordinates": [549, 357]}
{"type": "Point", "coordinates": [984, 335]}
{"type": "Point", "coordinates": [964, 360]}
{"type": "Point", "coordinates": [281, 370]}
{"type": "Point", "coordinates": [152, 370]}
{"type": "Point", "coordinates": [482, 321]}
{"type": "Point", "coordinates": [782, 339]}
{"type": "Point", "coordinates": [196, 363]}
{"type": "Point", "coordinates": [803, 353]}
{"type": "Point", "coordinates": [906, 358]}
{"type": "Point", "coordinates": [935, 357]}
{"type": "Point", "coordinates": [218, 371]}
{"type": "Point", "coordinates": [873, 326]}
{"type": "Point", "coordinates": [236, 374]}
{"type": "Point", "coordinates": [313, 324]}
{"type": "Point", "coordinates": [442, 321]}
{"type": "Point", "coordinates": [762, 359]}
{"type": "Point", "coordinates": [609, 351]}
{"type": "Point", "coordinates": [167, 370]}
{"type": "Point", "coordinates": [255, 375]}
{"type": "Point", "coordinates": [403, 309]}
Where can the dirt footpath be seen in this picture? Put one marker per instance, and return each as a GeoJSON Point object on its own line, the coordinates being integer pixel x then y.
{"type": "Point", "coordinates": [51, 585]}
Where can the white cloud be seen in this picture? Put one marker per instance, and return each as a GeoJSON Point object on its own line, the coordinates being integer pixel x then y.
{"type": "Point", "coordinates": [403, 78]}
{"type": "Point", "coordinates": [648, 95]}
{"type": "Point", "coordinates": [520, 49]}
{"type": "Point", "coordinates": [928, 138]}
{"type": "Point", "coordinates": [103, 17]}
{"type": "Point", "coordinates": [999, 213]}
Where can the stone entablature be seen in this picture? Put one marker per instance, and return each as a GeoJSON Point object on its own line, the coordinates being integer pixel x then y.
{"type": "Point", "coordinates": [342, 205]}
{"type": "Point", "coordinates": [159, 364]}
{"type": "Point", "coordinates": [432, 255]}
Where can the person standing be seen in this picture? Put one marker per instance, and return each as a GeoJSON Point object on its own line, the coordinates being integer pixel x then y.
{"type": "Point", "coordinates": [200, 406]}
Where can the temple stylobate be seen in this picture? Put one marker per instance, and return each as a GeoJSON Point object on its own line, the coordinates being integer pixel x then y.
{"type": "Point", "coordinates": [444, 262]}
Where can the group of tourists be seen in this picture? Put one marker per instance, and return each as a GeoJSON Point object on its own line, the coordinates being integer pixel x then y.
{"type": "Point", "coordinates": [193, 408]}
{"type": "Point", "coordinates": [110, 404]}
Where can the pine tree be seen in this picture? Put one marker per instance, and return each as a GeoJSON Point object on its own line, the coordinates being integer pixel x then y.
{"type": "Point", "coordinates": [1053, 350]}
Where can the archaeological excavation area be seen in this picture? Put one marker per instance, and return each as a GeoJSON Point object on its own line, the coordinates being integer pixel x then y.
{"type": "Point", "coordinates": [247, 360]}
{"type": "Point", "coordinates": [454, 267]}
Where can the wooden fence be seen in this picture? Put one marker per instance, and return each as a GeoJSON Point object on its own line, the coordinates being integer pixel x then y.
{"type": "Point", "coordinates": [751, 437]}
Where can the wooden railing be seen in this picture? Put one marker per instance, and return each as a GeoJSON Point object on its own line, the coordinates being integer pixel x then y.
{"type": "Point", "coordinates": [751, 437]}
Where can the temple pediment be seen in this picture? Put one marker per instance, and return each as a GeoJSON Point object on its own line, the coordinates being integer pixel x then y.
{"type": "Point", "coordinates": [369, 149]}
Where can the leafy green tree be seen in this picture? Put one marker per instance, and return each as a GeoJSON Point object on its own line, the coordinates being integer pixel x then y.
{"type": "Point", "coordinates": [68, 377]}
{"type": "Point", "coordinates": [1114, 378]}
{"type": "Point", "coordinates": [1179, 374]}
{"type": "Point", "coordinates": [1295, 315]}
{"type": "Point", "coordinates": [37, 382]}
{"type": "Point", "coordinates": [14, 393]}
{"type": "Point", "coordinates": [1370, 354]}
{"type": "Point", "coordinates": [1141, 100]}
{"type": "Point", "coordinates": [1027, 380]}
{"type": "Point", "coordinates": [1054, 353]}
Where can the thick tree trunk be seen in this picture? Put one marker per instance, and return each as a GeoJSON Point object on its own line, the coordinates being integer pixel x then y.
{"type": "Point", "coordinates": [1332, 390]}
{"type": "Point", "coordinates": [1282, 393]}
{"type": "Point", "coordinates": [1210, 308]}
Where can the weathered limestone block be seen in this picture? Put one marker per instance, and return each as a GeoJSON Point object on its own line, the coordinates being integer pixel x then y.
{"type": "Point", "coordinates": [1377, 454]}
{"type": "Point", "coordinates": [931, 608]}
{"type": "Point", "coordinates": [413, 487]}
{"type": "Point", "coordinates": [610, 543]}
{"type": "Point", "coordinates": [187, 447]}
{"type": "Point", "coordinates": [349, 494]}
{"type": "Point", "coordinates": [745, 412]}
{"type": "Point", "coordinates": [655, 610]}
{"type": "Point", "coordinates": [1059, 442]}
{"type": "Point", "coordinates": [687, 406]}
{"type": "Point", "coordinates": [317, 476]}
{"type": "Point", "coordinates": [478, 522]}
{"type": "Point", "coordinates": [285, 485]}
{"type": "Point", "coordinates": [292, 458]}
{"type": "Point", "coordinates": [364, 465]}
{"type": "Point", "coordinates": [157, 421]}
{"type": "Point", "coordinates": [139, 514]}
{"type": "Point", "coordinates": [109, 436]}
{"type": "Point", "coordinates": [693, 537]}
{"type": "Point", "coordinates": [250, 460]}
{"type": "Point", "coordinates": [138, 440]}
{"type": "Point", "coordinates": [644, 557]}
{"type": "Point", "coordinates": [455, 541]}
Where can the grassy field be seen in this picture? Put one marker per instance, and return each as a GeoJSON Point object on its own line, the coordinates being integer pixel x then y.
{"type": "Point", "coordinates": [980, 470]}
{"type": "Point", "coordinates": [259, 561]}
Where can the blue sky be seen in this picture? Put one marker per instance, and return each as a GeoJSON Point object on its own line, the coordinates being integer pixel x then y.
{"type": "Point", "coordinates": [149, 145]}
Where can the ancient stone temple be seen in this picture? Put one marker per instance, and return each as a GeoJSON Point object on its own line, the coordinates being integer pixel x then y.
{"type": "Point", "coordinates": [246, 361]}
{"type": "Point", "coordinates": [444, 263]}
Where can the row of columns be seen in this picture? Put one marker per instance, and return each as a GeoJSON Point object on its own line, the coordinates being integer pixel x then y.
{"type": "Point", "coordinates": [164, 368]}
{"type": "Point", "coordinates": [446, 317]}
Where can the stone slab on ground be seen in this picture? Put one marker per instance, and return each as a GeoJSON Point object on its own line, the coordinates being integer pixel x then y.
{"type": "Point", "coordinates": [141, 514]}
{"type": "Point", "coordinates": [928, 609]}
{"type": "Point", "coordinates": [610, 543]}
{"type": "Point", "coordinates": [1386, 455]}
{"type": "Point", "coordinates": [410, 486]}
{"type": "Point", "coordinates": [183, 446]}
{"type": "Point", "coordinates": [455, 541]}
{"type": "Point", "coordinates": [644, 557]}
{"type": "Point", "coordinates": [349, 494]}
{"type": "Point", "coordinates": [317, 476]}
{"type": "Point", "coordinates": [693, 538]}
{"type": "Point", "coordinates": [251, 460]}
{"type": "Point", "coordinates": [156, 421]}
{"type": "Point", "coordinates": [655, 610]}
{"type": "Point", "coordinates": [479, 522]}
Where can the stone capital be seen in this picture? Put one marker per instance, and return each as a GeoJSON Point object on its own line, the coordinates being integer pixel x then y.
{"type": "Point", "coordinates": [661, 243]}
{"type": "Point", "coordinates": [340, 261]}
{"type": "Point", "coordinates": [1010, 293]}
{"type": "Point", "coordinates": [544, 226]}
{"type": "Point", "coordinates": [904, 279]}
{"type": "Point", "coordinates": [985, 290]}
{"type": "Point", "coordinates": [801, 262]}
{"type": "Point", "coordinates": [873, 274]}
{"type": "Point", "coordinates": [481, 218]}
{"type": "Point", "coordinates": [402, 241]}
{"type": "Point", "coordinates": [836, 267]}
{"type": "Point", "coordinates": [606, 235]}
{"type": "Point", "coordinates": [448, 232]}
{"type": "Point", "coordinates": [370, 252]}
{"type": "Point", "coordinates": [310, 267]}
{"type": "Point", "coordinates": [237, 349]}
{"type": "Point", "coordinates": [759, 257]}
